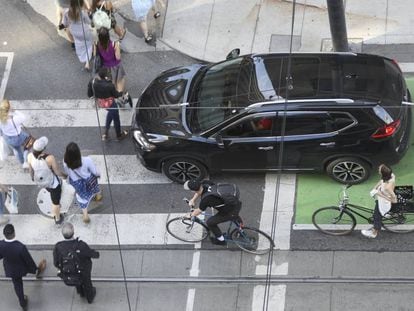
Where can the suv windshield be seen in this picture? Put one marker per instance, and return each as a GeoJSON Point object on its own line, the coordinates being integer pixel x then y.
{"type": "Point", "coordinates": [215, 95]}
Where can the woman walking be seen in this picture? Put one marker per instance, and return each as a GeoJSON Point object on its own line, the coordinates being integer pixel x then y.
{"type": "Point", "coordinates": [384, 195]}
{"type": "Point", "coordinates": [108, 8]}
{"type": "Point", "coordinates": [11, 123]}
{"type": "Point", "coordinates": [83, 176]}
{"type": "Point", "coordinates": [44, 171]}
{"type": "Point", "coordinates": [78, 23]}
{"type": "Point", "coordinates": [110, 53]}
{"type": "Point", "coordinates": [141, 9]}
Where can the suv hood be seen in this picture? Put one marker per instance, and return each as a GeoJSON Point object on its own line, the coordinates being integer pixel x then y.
{"type": "Point", "coordinates": [161, 106]}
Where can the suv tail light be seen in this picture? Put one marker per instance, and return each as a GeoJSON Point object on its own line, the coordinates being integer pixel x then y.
{"type": "Point", "coordinates": [387, 130]}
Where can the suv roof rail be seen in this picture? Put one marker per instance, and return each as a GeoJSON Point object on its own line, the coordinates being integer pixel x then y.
{"type": "Point", "coordinates": [282, 101]}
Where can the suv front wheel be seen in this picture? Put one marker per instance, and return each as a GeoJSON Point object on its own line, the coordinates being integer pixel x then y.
{"type": "Point", "coordinates": [183, 169]}
{"type": "Point", "coordinates": [348, 171]}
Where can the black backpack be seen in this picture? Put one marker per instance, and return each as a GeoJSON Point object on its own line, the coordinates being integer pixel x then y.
{"type": "Point", "coordinates": [70, 268]}
{"type": "Point", "coordinates": [228, 193]}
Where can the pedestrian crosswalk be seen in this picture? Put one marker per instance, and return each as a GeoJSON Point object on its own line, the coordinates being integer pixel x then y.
{"type": "Point", "coordinates": [116, 168]}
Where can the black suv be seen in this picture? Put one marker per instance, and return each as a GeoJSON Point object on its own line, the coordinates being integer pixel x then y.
{"type": "Point", "coordinates": [342, 113]}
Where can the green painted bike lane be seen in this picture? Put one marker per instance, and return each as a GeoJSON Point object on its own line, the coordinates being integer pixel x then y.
{"type": "Point", "coordinates": [318, 190]}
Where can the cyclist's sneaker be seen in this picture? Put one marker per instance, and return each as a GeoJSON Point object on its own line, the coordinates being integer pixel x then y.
{"type": "Point", "coordinates": [369, 233]}
{"type": "Point", "coordinates": [388, 216]}
{"type": "Point", "coordinates": [217, 242]}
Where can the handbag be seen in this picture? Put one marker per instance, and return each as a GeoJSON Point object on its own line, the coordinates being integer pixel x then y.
{"type": "Point", "coordinates": [29, 141]}
{"type": "Point", "coordinates": [105, 102]}
{"type": "Point", "coordinates": [91, 183]}
{"type": "Point", "coordinates": [96, 63]}
{"type": "Point", "coordinates": [12, 200]}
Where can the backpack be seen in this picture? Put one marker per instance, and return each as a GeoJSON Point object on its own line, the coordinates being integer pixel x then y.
{"type": "Point", "coordinates": [101, 19]}
{"type": "Point", "coordinates": [42, 174]}
{"type": "Point", "coordinates": [228, 193]}
{"type": "Point", "coordinates": [70, 268]}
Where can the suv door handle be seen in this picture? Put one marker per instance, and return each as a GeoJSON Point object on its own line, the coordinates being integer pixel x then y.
{"type": "Point", "coordinates": [266, 148]}
{"type": "Point", "coordinates": [327, 144]}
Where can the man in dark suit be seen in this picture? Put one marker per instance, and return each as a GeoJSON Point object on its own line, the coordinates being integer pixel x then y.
{"type": "Point", "coordinates": [18, 262]}
{"type": "Point", "coordinates": [84, 254]}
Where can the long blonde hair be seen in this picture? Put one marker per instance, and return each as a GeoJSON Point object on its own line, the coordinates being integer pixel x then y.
{"type": "Point", "coordinates": [4, 110]}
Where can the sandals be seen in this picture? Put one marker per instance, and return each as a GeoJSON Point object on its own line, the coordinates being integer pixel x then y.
{"type": "Point", "coordinates": [123, 35]}
{"type": "Point", "coordinates": [148, 39]}
{"type": "Point", "coordinates": [157, 14]}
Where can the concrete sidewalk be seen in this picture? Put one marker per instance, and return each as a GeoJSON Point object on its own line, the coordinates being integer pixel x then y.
{"type": "Point", "coordinates": [153, 274]}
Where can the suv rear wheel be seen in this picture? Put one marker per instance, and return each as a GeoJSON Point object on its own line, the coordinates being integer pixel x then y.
{"type": "Point", "coordinates": [183, 169]}
{"type": "Point", "coordinates": [349, 171]}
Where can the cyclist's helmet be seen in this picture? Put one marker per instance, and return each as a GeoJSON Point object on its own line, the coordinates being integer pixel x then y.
{"type": "Point", "coordinates": [192, 184]}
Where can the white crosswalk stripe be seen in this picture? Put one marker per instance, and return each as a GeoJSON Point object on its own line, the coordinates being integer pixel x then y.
{"type": "Point", "coordinates": [122, 169]}
{"type": "Point", "coordinates": [66, 113]}
{"type": "Point", "coordinates": [39, 230]}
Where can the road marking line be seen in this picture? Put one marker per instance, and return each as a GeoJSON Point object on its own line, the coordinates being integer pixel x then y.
{"type": "Point", "coordinates": [190, 300]}
{"type": "Point", "coordinates": [357, 227]}
{"type": "Point", "coordinates": [66, 113]}
{"type": "Point", "coordinates": [40, 230]}
{"type": "Point", "coordinates": [122, 169]}
{"type": "Point", "coordinates": [284, 215]}
{"type": "Point", "coordinates": [6, 73]}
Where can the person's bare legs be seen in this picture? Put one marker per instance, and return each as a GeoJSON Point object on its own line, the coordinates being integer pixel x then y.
{"type": "Point", "coordinates": [120, 31]}
{"type": "Point", "coordinates": [120, 85]}
{"type": "Point", "coordinates": [56, 211]}
{"type": "Point", "coordinates": [144, 28]}
{"type": "Point", "coordinates": [85, 216]}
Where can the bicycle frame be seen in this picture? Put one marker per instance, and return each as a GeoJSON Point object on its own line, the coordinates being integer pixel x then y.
{"type": "Point", "coordinates": [345, 205]}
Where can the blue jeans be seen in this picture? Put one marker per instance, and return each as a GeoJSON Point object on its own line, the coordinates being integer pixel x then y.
{"type": "Point", "coordinates": [113, 115]}
{"type": "Point", "coordinates": [16, 143]}
{"type": "Point", "coordinates": [2, 200]}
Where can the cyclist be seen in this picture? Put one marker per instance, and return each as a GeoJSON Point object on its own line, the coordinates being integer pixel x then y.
{"type": "Point", "coordinates": [225, 201]}
{"type": "Point", "coordinates": [384, 197]}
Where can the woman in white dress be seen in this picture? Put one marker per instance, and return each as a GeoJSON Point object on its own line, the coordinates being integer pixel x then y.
{"type": "Point", "coordinates": [77, 22]}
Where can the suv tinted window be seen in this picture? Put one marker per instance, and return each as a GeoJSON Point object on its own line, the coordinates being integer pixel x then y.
{"type": "Point", "coordinates": [307, 123]}
{"type": "Point", "coordinates": [254, 126]}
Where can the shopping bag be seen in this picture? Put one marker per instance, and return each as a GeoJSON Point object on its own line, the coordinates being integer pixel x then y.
{"type": "Point", "coordinates": [12, 200]}
{"type": "Point", "coordinates": [5, 150]}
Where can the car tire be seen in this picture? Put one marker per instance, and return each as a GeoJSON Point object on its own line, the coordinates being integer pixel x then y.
{"type": "Point", "coordinates": [182, 169]}
{"type": "Point", "coordinates": [350, 171]}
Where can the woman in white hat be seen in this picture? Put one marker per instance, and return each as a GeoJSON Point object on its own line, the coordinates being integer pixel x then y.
{"type": "Point", "coordinates": [44, 171]}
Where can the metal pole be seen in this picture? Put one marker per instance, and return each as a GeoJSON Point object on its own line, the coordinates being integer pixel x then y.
{"type": "Point", "coordinates": [336, 12]}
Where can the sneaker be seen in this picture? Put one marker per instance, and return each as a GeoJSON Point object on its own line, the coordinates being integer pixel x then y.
{"type": "Point", "coordinates": [123, 135]}
{"type": "Point", "coordinates": [369, 233]}
{"type": "Point", "coordinates": [26, 302]}
{"type": "Point", "coordinates": [25, 165]}
{"type": "Point", "coordinates": [40, 268]}
{"type": "Point", "coordinates": [4, 220]}
{"type": "Point", "coordinates": [58, 222]}
{"type": "Point", "coordinates": [90, 299]}
{"type": "Point", "coordinates": [217, 242]}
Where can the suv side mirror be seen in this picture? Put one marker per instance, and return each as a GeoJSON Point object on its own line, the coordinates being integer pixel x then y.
{"type": "Point", "coordinates": [233, 54]}
{"type": "Point", "coordinates": [219, 141]}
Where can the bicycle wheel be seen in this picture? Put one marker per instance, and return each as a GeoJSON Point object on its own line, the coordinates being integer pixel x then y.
{"type": "Point", "coordinates": [331, 220]}
{"type": "Point", "coordinates": [184, 229]}
{"type": "Point", "coordinates": [252, 240]}
{"type": "Point", "coordinates": [399, 222]}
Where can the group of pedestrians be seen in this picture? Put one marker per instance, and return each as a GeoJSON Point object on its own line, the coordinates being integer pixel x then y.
{"type": "Point", "coordinates": [82, 18]}
{"type": "Point", "coordinates": [18, 262]}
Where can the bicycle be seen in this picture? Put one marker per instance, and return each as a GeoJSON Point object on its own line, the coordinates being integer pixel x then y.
{"type": "Point", "coordinates": [195, 229]}
{"type": "Point", "coordinates": [340, 220]}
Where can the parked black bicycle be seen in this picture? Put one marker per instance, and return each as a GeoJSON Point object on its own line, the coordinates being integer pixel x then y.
{"type": "Point", "coordinates": [341, 220]}
{"type": "Point", "coordinates": [194, 229]}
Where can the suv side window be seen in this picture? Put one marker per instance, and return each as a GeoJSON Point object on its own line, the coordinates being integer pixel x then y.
{"type": "Point", "coordinates": [311, 123]}
{"type": "Point", "coordinates": [254, 126]}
